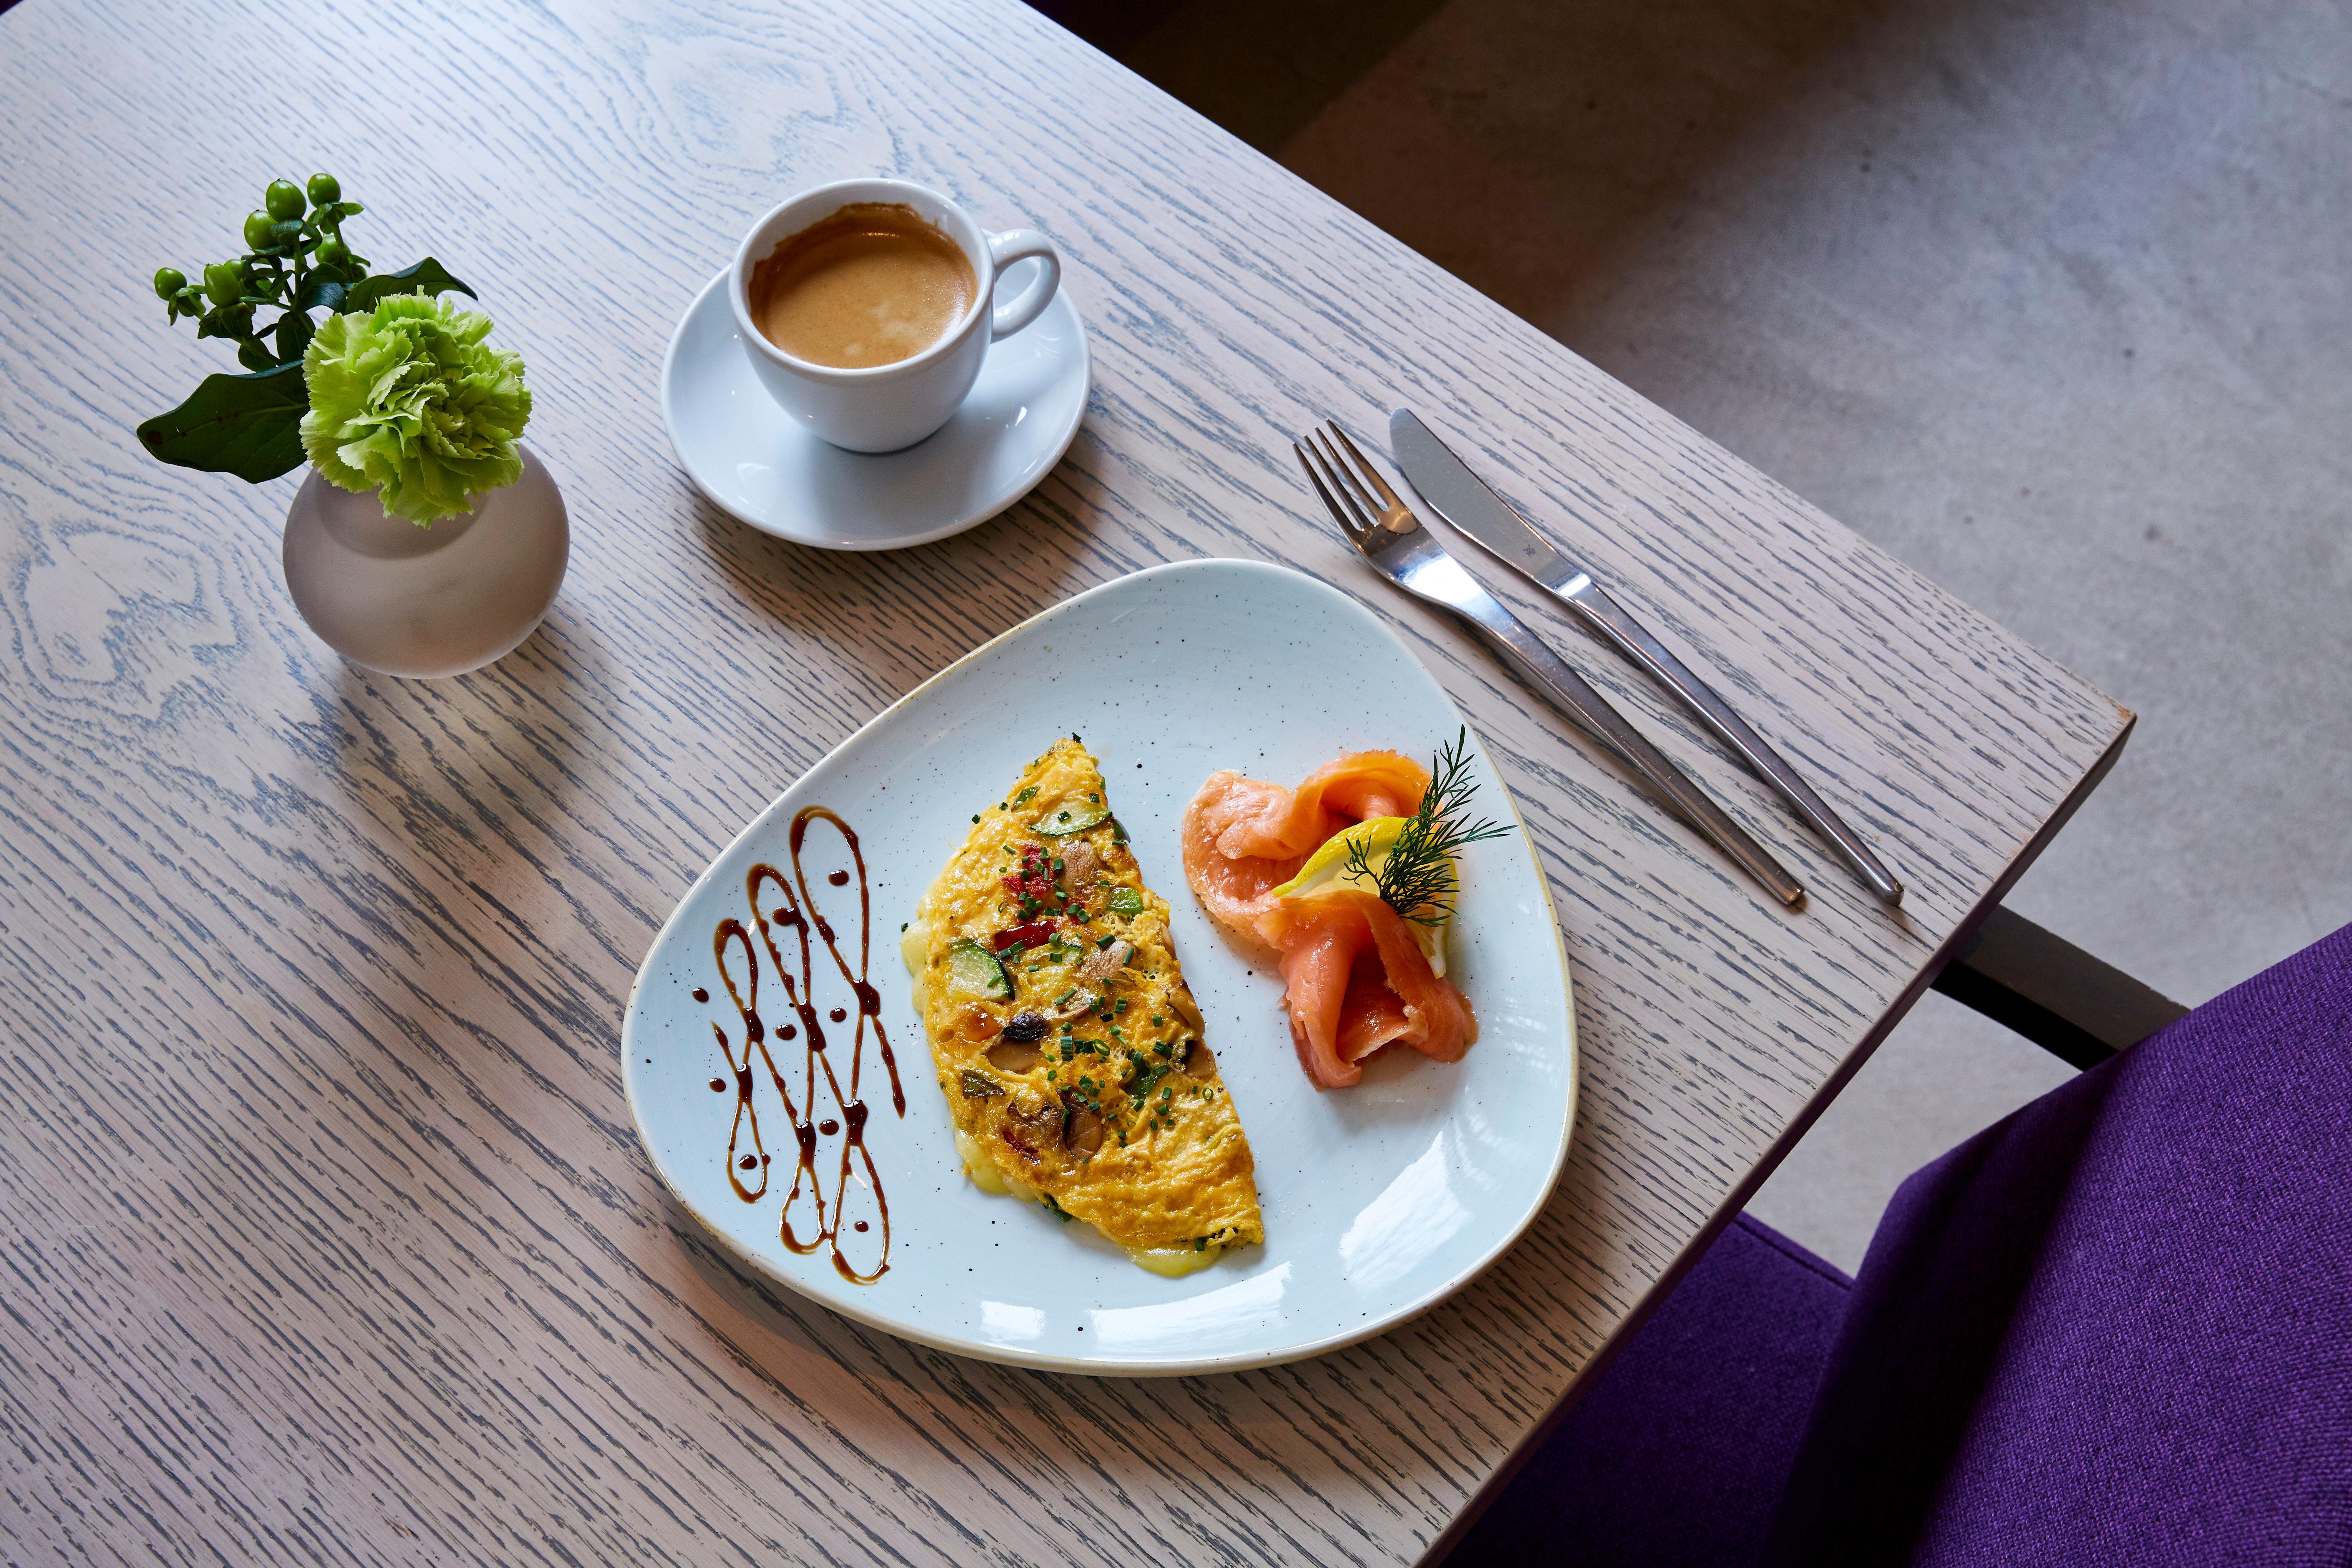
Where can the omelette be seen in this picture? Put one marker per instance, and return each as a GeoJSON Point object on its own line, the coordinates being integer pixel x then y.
{"type": "Point", "coordinates": [1069, 1046]}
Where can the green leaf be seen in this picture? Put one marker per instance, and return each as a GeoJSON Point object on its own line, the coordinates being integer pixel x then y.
{"type": "Point", "coordinates": [326, 285]}
{"type": "Point", "coordinates": [427, 278]}
{"type": "Point", "coordinates": [228, 321]}
{"type": "Point", "coordinates": [249, 425]}
{"type": "Point", "coordinates": [293, 333]}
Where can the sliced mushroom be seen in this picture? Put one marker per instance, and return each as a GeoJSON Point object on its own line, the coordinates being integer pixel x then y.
{"type": "Point", "coordinates": [1079, 863]}
{"type": "Point", "coordinates": [1009, 1055]}
{"type": "Point", "coordinates": [1026, 1025]}
{"type": "Point", "coordinates": [1105, 961]}
{"type": "Point", "coordinates": [1082, 1130]}
{"type": "Point", "coordinates": [1030, 1125]}
{"type": "Point", "coordinates": [1082, 1002]}
{"type": "Point", "coordinates": [1197, 1061]}
{"type": "Point", "coordinates": [1179, 996]}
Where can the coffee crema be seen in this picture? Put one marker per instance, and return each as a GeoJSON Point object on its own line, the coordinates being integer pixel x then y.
{"type": "Point", "coordinates": [871, 285]}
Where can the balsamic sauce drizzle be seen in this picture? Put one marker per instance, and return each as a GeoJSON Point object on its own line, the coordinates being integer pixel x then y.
{"type": "Point", "coordinates": [796, 910]}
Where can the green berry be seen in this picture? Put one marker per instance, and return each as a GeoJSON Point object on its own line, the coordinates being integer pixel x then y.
{"type": "Point", "coordinates": [333, 252]}
{"type": "Point", "coordinates": [225, 281]}
{"type": "Point", "coordinates": [257, 230]}
{"type": "Point", "coordinates": [324, 191]}
{"type": "Point", "coordinates": [169, 281]}
{"type": "Point", "coordinates": [284, 200]}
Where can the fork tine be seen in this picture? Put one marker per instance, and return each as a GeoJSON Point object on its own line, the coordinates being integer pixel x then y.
{"type": "Point", "coordinates": [1371, 472]}
{"type": "Point", "coordinates": [1353, 529]}
{"type": "Point", "coordinates": [1370, 510]}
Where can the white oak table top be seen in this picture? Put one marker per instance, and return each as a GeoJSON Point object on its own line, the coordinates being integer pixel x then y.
{"type": "Point", "coordinates": [327, 1232]}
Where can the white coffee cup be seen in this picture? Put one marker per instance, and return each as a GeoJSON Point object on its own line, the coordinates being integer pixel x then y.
{"type": "Point", "coordinates": [887, 407]}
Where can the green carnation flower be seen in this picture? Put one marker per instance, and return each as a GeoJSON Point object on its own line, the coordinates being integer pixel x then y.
{"type": "Point", "coordinates": [409, 398]}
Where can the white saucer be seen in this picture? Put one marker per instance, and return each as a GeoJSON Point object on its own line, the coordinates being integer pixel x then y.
{"type": "Point", "coordinates": [742, 452]}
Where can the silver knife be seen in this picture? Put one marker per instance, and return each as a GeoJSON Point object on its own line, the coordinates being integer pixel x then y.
{"type": "Point", "coordinates": [1399, 547]}
{"type": "Point", "coordinates": [1464, 500]}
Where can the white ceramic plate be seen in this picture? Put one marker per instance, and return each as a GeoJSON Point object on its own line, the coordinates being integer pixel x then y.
{"type": "Point", "coordinates": [1380, 1200]}
{"type": "Point", "coordinates": [742, 451]}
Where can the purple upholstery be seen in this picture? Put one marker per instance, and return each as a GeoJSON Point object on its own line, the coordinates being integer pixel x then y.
{"type": "Point", "coordinates": [1679, 1453]}
{"type": "Point", "coordinates": [2116, 1327]}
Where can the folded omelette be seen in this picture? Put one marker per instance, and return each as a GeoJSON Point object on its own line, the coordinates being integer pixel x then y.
{"type": "Point", "coordinates": [1069, 1046]}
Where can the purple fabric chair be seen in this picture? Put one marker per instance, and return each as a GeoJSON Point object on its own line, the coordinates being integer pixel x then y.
{"type": "Point", "coordinates": [1678, 1455]}
{"type": "Point", "coordinates": [2113, 1328]}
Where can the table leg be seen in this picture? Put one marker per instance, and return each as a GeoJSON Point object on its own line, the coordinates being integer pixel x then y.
{"type": "Point", "coordinates": [2051, 992]}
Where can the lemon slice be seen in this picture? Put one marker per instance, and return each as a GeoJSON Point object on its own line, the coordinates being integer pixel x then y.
{"type": "Point", "coordinates": [1328, 869]}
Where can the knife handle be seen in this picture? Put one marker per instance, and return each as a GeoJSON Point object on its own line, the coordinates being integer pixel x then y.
{"type": "Point", "coordinates": [1607, 617]}
{"type": "Point", "coordinates": [1567, 690]}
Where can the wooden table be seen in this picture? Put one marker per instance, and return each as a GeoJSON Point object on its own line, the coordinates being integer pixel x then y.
{"type": "Point", "coordinates": [328, 1234]}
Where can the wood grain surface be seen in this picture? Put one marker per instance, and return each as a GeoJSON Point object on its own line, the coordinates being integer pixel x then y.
{"type": "Point", "coordinates": [328, 1234]}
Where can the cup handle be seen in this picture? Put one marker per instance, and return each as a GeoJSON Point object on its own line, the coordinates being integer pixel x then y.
{"type": "Point", "coordinates": [1020, 245]}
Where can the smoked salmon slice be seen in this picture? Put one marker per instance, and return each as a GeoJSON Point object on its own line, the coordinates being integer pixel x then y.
{"type": "Point", "coordinates": [1244, 837]}
{"type": "Point", "coordinates": [1355, 980]}
{"type": "Point", "coordinates": [1266, 821]}
{"type": "Point", "coordinates": [1354, 977]}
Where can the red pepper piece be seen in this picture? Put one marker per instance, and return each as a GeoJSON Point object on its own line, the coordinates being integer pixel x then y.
{"type": "Point", "coordinates": [1028, 935]}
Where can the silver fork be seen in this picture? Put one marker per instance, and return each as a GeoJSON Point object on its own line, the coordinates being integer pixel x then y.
{"type": "Point", "coordinates": [1394, 543]}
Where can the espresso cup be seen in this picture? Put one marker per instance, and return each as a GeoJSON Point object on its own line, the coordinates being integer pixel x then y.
{"type": "Point", "coordinates": [887, 407]}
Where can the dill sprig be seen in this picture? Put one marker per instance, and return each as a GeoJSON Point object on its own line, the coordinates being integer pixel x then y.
{"type": "Point", "coordinates": [1417, 880]}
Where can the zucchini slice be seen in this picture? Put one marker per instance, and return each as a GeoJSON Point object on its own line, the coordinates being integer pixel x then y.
{"type": "Point", "coordinates": [976, 971]}
{"type": "Point", "coordinates": [1073, 816]}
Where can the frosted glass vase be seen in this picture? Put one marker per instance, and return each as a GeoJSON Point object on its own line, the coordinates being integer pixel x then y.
{"type": "Point", "coordinates": [421, 603]}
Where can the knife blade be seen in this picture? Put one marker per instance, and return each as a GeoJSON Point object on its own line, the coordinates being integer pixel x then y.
{"type": "Point", "coordinates": [1471, 506]}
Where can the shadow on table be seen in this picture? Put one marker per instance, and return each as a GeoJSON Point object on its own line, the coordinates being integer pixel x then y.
{"type": "Point", "coordinates": [971, 587]}
{"type": "Point", "coordinates": [478, 783]}
{"type": "Point", "coordinates": [762, 1321]}
{"type": "Point", "coordinates": [804, 1327]}
{"type": "Point", "coordinates": [509, 733]}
